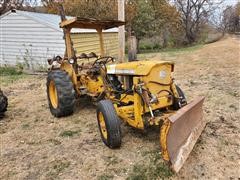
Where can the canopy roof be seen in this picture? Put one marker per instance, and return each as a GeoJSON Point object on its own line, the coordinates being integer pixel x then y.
{"type": "Point", "coordinates": [85, 23]}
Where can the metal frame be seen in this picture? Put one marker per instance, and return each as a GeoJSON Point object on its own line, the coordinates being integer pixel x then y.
{"type": "Point", "coordinates": [86, 24]}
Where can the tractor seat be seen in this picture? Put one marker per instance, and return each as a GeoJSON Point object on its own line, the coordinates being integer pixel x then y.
{"type": "Point", "coordinates": [83, 55]}
{"type": "Point", "coordinates": [92, 55]}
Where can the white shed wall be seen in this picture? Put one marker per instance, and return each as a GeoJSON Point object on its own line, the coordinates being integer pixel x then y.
{"type": "Point", "coordinates": [23, 40]}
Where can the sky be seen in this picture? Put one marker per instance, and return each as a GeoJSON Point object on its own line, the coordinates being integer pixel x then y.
{"type": "Point", "coordinates": [225, 4]}
{"type": "Point", "coordinates": [230, 2]}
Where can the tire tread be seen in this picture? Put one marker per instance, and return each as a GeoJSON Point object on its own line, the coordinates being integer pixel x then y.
{"type": "Point", "coordinates": [112, 122]}
{"type": "Point", "coordinates": [65, 92]}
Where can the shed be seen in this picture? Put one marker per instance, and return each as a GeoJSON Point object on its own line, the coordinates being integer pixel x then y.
{"type": "Point", "coordinates": [31, 38]}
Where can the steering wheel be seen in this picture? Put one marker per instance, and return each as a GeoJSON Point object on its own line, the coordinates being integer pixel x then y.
{"type": "Point", "coordinates": [103, 60]}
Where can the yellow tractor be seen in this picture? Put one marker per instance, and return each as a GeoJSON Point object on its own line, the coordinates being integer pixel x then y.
{"type": "Point", "coordinates": [150, 98]}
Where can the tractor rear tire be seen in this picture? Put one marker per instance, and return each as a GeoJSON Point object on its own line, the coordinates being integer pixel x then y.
{"type": "Point", "coordinates": [181, 101]}
{"type": "Point", "coordinates": [3, 104]}
{"type": "Point", "coordinates": [109, 124]}
{"type": "Point", "coordinates": [61, 94]}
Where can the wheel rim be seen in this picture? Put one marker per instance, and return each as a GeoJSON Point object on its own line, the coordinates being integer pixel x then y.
{"type": "Point", "coordinates": [53, 94]}
{"type": "Point", "coordinates": [102, 125]}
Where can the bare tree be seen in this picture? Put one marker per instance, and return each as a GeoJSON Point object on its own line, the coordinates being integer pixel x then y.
{"type": "Point", "coordinates": [194, 14]}
{"type": "Point", "coordinates": [6, 5]}
{"type": "Point", "coordinates": [222, 21]}
{"type": "Point", "coordinates": [231, 17]}
{"type": "Point", "coordinates": [228, 19]}
{"type": "Point", "coordinates": [3, 5]}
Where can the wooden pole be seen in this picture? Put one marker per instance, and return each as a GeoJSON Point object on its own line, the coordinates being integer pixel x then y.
{"type": "Point", "coordinates": [100, 34]}
{"type": "Point", "coordinates": [62, 12]}
{"type": "Point", "coordinates": [121, 31]}
{"type": "Point", "coordinates": [132, 47]}
{"type": "Point", "coordinates": [69, 52]}
{"type": "Point", "coordinates": [68, 42]}
{"type": "Point", "coordinates": [121, 39]}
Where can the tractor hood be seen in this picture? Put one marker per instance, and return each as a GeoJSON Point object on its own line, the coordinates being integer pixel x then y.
{"type": "Point", "coordinates": [141, 68]}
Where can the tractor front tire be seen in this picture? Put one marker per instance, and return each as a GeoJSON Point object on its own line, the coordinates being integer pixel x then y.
{"type": "Point", "coordinates": [61, 94]}
{"type": "Point", "coordinates": [109, 124]}
{"type": "Point", "coordinates": [3, 104]}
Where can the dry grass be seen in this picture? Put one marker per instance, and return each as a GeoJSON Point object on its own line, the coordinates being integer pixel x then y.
{"type": "Point", "coordinates": [35, 145]}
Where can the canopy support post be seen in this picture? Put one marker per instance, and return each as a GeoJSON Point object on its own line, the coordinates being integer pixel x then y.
{"type": "Point", "coordinates": [100, 34]}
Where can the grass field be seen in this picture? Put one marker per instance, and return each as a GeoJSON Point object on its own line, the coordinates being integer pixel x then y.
{"type": "Point", "coordinates": [35, 145]}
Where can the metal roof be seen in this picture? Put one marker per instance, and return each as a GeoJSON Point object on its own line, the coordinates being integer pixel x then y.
{"type": "Point", "coordinates": [86, 23]}
{"type": "Point", "coordinates": [52, 20]}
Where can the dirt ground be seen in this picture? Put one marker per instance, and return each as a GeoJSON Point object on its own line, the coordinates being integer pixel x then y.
{"type": "Point", "coordinates": [35, 145]}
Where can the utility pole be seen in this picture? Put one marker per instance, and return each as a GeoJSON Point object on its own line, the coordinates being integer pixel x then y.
{"type": "Point", "coordinates": [121, 31]}
{"type": "Point", "coordinates": [121, 38]}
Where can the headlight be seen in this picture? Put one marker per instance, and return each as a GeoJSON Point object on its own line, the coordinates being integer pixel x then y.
{"type": "Point", "coordinates": [71, 61]}
{"type": "Point", "coordinates": [55, 63]}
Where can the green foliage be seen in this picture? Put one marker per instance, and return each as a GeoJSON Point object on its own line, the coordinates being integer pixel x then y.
{"type": "Point", "coordinates": [69, 133]}
{"type": "Point", "coordinates": [176, 51]}
{"type": "Point", "coordinates": [9, 71]}
{"type": "Point", "coordinates": [152, 168]}
{"type": "Point", "coordinates": [155, 18]}
{"type": "Point", "coordinates": [156, 46]}
{"type": "Point", "coordinates": [143, 48]}
{"type": "Point", "coordinates": [142, 23]}
{"type": "Point", "coordinates": [146, 47]}
{"type": "Point", "coordinates": [20, 66]}
{"type": "Point", "coordinates": [25, 126]}
{"type": "Point", "coordinates": [10, 75]}
{"type": "Point", "coordinates": [5, 80]}
{"type": "Point", "coordinates": [167, 52]}
{"type": "Point", "coordinates": [138, 172]}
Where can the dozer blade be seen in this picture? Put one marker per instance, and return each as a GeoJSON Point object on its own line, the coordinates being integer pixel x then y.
{"type": "Point", "coordinates": [182, 132]}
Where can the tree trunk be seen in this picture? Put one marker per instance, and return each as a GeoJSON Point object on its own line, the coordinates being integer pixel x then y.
{"type": "Point", "coordinates": [138, 45]}
{"type": "Point", "coordinates": [165, 37]}
{"type": "Point", "coordinates": [132, 46]}
{"type": "Point", "coordinates": [190, 37]}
